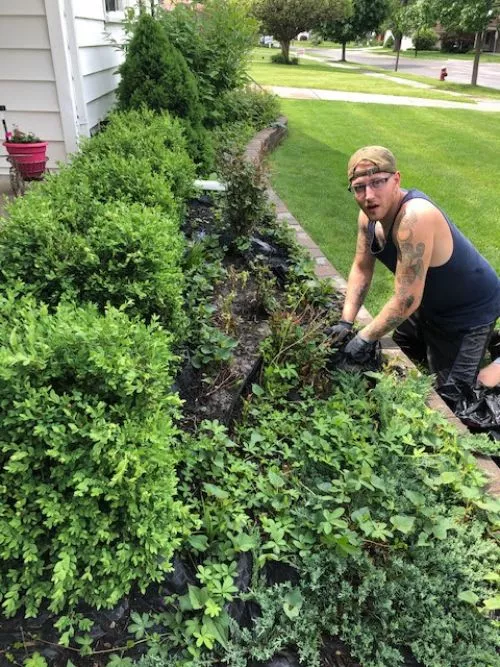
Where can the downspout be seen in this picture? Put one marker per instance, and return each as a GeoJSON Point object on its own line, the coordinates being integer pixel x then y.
{"type": "Point", "coordinates": [81, 107]}
{"type": "Point", "coordinates": [59, 48]}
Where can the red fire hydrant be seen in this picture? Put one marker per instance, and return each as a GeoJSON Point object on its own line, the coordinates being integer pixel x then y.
{"type": "Point", "coordinates": [443, 74]}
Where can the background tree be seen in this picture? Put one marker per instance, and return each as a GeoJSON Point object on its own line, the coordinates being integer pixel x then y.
{"type": "Point", "coordinates": [366, 16]}
{"type": "Point", "coordinates": [284, 19]}
{"type": "Point", "coordinates": [466, 16]}
{"type": "Point", "coordinates": [404, 18]}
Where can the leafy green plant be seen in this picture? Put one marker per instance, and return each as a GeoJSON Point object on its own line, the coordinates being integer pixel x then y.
{"type": "Point", "coordinates": [280, 59]}
{"type": "Point", "coordinates": [424, 39]}
{"type": "Point", "coordinates": [155, 75]}
{"type": "Point", "coordinates": [87, 442]}
{"type": "Point", "coordinates": [376, 504]}
{"type": "Point", "coordinates": [128, 256]}
{"type": "Point", "coordinates": [214, 347]}
{"type": "Point", "coordinates": [216, 44]}
{"type": "Point", "coordinates": [245, 203]}
{"type": "Point", "coordinates": [142, 135]}
{"type": "Point", "coordinates": [255, 107]}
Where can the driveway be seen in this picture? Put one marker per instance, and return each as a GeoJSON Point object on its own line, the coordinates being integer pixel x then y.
{"type": "Point", "coordinates": [459, 71]}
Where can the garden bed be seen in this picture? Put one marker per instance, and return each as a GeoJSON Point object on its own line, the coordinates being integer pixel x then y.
{"type": "Point", "coordinates": [316, 517]}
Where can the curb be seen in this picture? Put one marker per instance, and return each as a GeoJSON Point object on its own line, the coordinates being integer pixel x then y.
{"type": "Point", "coordinates": [263, 143]}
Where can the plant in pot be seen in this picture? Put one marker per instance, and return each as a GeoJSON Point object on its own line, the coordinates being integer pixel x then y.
{"type": "Point", "coordinates": [26, 152]}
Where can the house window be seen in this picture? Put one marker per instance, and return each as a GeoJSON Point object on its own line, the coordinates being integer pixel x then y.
{"type": "Point", "coordinates": [113, 5]}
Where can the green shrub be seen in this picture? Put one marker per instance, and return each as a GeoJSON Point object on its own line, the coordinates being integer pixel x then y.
{"type": "Point", "coordinates": [453, 42]}
{"type": "Point", "coordinates": [155, 75]}
{"type": "Point", "coordinates": [247, 105]}
{"type": "Point", "coordinates": [110, 177]}
{"type": "Point", "coordinates": [424, 39]}
{"type": "Point", "coordinates": [87, 437]}
{"type": "Point", "coordinates": [280, 59]}
{"type": "Point", "coordinates": [245, 204]}
{"type": "Point", "coordinates": [145, 135]}
{"type": "Point", "coordinates": [127, 256]}
{"type": "Point", "coordinates": [389, 42]}
{"type": "Point", "coordinates": [216, 43]}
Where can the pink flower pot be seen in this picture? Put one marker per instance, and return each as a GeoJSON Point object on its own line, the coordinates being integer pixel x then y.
{"type": "Point", "coordinates": [30, 159]}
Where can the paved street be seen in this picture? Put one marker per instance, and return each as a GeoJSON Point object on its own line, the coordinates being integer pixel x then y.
{"type": "Point", "coordinates": [459, 71]}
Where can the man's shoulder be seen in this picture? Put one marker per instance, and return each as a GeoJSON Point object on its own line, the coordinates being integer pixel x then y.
{"type": "Point", "coordinates": [418, 210]}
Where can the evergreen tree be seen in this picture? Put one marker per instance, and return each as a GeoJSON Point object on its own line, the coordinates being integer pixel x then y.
{"type": "Point", "coordinates": [156, 75]}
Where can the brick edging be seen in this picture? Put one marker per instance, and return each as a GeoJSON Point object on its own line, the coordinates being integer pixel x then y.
{"type": "Point", "coordinates": [264, 142]}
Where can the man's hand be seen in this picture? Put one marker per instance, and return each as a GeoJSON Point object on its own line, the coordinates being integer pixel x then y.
{"type": "Point", "coordinates": [490, 375]}
{"type": "Point", "coordinates": [359, 350]}
{"type": "Point", "coordinates": [340, 331]}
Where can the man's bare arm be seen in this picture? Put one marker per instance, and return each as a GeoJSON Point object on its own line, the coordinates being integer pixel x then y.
{"type": "Point", "coordinates": [414, 240]}
{"type": "Point", "coordinates": [360, 275]}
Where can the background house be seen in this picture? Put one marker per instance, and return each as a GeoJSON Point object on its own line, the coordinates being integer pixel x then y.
{"type": "Point", "coordinates": [57, 67]}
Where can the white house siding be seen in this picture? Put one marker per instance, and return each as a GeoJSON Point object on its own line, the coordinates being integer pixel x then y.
{"type": "Point", "coordinates": [98, 57]}
{"type": "Point", "coordinates": [57, 68]}
{"type": "Point", "coordinates": [27, 78]}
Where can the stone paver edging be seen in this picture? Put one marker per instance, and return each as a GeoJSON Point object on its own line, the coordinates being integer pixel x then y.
{"type": "Point", "coordinates": [260, 145]}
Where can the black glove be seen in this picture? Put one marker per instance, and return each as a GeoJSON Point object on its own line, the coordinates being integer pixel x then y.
{"type": "Point", "coordinates": [340, 331]}
{"type": "Point", "coordinates": [359, 350]}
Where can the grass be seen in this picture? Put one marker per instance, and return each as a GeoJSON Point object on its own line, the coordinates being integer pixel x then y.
{"type": "Point", "coordinates": [307, 44]}
{"type": "Point", "coordinates": [464, 89]}
{"type": "Point", "coordinates": [452, 155]}
{"type": "Point", "coordinates": [311, 74]}
{"type": "Point", "coordinates": [439, 55]}
{"type": "Point", "coordinates": [268, 73]}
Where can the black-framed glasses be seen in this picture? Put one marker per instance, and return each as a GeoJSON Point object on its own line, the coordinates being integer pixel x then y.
{"type": "Point", "coordinates": [374, 184]}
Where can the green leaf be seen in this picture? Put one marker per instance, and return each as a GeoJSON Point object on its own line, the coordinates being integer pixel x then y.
{"type": "Point", "coordinates": [469, 596]}
{"type": "Point", "coordinates": [403, 523]}
{"type": "Point", "coordinates": [276, 479]}
{"type": "Point", "coordinates": [257, 390]}
{"type": "Point", "coordinates": [197, 596]}
{"type": "Point", "coordinates": [198, 542]}
{"type": "Point", "coordinates": [448, 477]}
{"type": "Point", "coordinates": [216, 491]}
{"type": "Point", "coordinates": [293, 603]}
{"type": "Point", "coordinates": [244, 542]}
{"type": "Point", "coordinates": [217, 628]}
{"type": "Point", "coordinates": [492, 604]}
{"type": "Point", "coordinates": [417, 499]}
{"type": "Point", "coordinates": [36, 660]}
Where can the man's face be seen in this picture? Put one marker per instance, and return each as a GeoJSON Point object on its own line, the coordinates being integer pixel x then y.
{"type": "Point", "coordinates": [376, 194]}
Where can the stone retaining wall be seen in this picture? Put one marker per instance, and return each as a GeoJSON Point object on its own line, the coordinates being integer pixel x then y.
{"type": "Point", "coordinates": [264, 142]}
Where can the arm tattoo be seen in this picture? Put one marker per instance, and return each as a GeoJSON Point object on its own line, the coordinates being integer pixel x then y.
{"type": "Point", "coordinates": [410, 254]}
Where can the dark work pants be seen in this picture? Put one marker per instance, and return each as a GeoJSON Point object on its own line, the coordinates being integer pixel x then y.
{"type": "Point", "coordinates": [452, 356]}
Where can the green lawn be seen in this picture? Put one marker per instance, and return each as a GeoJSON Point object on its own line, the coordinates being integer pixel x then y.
{"type": "Point", "coordinates": [462, 88]}
{"type": "Point", "coordinates": [311, 74]}
{"type": "Point", "coordinates": [452, 155]}
{"type": "Point", "coordinates": [438, 55]}
{"type": "Point", "coordinates": [307, 44]}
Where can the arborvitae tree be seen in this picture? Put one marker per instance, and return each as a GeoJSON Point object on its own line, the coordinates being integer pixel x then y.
{"type": "Point", "coordinates": [156, 75]}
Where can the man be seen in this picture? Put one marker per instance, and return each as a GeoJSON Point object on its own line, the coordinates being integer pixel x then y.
{"type": "Point", "coordinates": [446, 296]}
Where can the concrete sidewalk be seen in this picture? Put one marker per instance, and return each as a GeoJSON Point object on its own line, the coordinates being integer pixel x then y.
{"type": "Point", "coordinates": [368, 98]}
